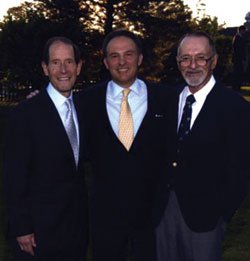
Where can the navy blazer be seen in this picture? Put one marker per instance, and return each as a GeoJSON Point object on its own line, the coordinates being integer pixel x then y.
{"type": "Point", "coordinates": [45, 191]}
{"type": "Point", "coordinates": [211, 169]}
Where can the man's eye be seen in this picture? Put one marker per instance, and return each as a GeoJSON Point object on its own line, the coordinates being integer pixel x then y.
{"type": "Point", "coordinates": [201, 58]}
{"type": "Point", "coordinates": [185, 59]}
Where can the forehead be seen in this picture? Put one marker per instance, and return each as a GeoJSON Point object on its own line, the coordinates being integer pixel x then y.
{"type": "Point", "coordinates": [121, 43]}
{"type": "Point", "coordinates": [194, 45]}
{"type": "Point", "coordinates": [59, 48]}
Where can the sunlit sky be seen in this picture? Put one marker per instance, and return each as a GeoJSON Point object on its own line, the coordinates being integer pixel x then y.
{"type": "Point", "coordinates": [231, 12]}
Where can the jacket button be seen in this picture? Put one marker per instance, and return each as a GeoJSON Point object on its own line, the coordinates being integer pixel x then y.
{"type": "Point", "coordinates": [174, 164]}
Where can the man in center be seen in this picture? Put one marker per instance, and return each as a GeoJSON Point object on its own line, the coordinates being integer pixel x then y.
{"type": "Point", "coordinates": [124, 130]}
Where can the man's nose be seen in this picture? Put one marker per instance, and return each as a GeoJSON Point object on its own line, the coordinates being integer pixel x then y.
{"type": "Point", "coordinates": [122, 60]}
{"type": "Point", "coordinates": [63, 67]}
{"type": "Point", "coordinates": [193, 63]}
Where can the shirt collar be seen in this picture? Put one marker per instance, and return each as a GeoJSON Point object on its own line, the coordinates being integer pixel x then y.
{"type": "Point", "coordinates": [116, 90]}
{"type": "Point", "coordinates": [57, 98]}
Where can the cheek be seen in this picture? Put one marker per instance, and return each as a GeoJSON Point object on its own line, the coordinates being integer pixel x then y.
{"type": "Point", "coordinates": [112, 64]}
{"type": "Point", "coordinates": [134, 64]}
{"type": "Point", "coordinates": [180, 68]}
{"type": "Point", "coordinates": [52, 72]}
{"type": "Point", "coordinates": [182, 71]}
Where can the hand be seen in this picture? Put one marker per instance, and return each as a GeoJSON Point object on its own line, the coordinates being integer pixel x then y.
{"type": "Point", "coordinates": [27, 243]}
{"type": "Point", "coordinates": [32, 94]}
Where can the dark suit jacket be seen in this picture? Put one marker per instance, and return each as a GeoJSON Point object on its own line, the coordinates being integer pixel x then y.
{"type": "Point", "coordinates": [210, 178]}
{"type": "Point", "coordinates": [45, 192]}
{"type": "Point", "coordinates": [124, 183]}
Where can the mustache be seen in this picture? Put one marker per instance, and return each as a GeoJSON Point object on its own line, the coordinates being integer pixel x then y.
{"type": "Point", "coordinates": [192, 71]}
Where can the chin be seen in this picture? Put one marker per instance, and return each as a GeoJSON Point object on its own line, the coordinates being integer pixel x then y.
{"type": "Point", "coordinates": [195, 83]}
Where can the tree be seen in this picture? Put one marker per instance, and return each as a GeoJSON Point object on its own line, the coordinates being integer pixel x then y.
{"type": "Point", "coordinates": [159, 23]}
{"type": "Point", "coordinates": [24, 32]}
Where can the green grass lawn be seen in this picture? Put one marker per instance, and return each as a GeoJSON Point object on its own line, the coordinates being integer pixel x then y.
{"type": "Point", "coordinates": [237, 241]}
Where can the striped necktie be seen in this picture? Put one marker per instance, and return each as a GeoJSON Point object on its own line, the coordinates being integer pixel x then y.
{"type": "Point", "coordinates": [184, 127]}
{"type": "Point", "coordinates": [71, 129]}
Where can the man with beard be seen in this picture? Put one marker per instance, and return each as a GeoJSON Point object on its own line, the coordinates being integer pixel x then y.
{"type": "Point", "coordinates": [208, 154]}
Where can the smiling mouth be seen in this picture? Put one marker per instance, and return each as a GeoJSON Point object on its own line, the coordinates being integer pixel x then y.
{"type": "Point", "coordinates": [63, 79]}
{"type": "Point", "coordinates": [123, 70]}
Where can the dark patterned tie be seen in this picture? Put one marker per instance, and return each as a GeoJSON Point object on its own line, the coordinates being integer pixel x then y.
{"type": "Point", "coordinates": [184, 127]}
{"type": "Point", "coordinates": [71, 129]}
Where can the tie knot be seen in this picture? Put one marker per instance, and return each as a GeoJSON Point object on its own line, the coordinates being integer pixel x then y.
{"type": "Point", "coordinates": [190, 99]}
{"type": "Point", "coordinates": [125, 93]}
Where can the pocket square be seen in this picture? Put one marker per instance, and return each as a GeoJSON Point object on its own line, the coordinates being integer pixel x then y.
{"type": "Point", "coordinates": [158, 115]}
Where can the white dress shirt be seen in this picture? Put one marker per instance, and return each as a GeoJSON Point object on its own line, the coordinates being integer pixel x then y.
{"type": "Point", "coordinates": [59, 102]}
{"type": "Point", "coordinates": [200, 97]}
{"type": "Point", "coordinates": [137, 100]}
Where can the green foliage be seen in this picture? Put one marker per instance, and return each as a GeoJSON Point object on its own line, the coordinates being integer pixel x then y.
{"type": "Point", "coordinates": [224, 66]}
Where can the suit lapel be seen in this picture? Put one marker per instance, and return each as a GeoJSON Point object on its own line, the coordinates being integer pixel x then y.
{"type": "Point", "coordinates": [153, 111]}
{"type": "Point", "coordinates": [103, 110]}
{"type": "Point", "coordinates": [149, 112]}
{"type": "Point", "coordinates": [206, 110]}
{"type": "Point", "coordinates": [173, 111]}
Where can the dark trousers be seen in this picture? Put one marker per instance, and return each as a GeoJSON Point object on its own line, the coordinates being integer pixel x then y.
{"type": "Point", "coordinates": [117, 244]}
{"type": "Point", "coordinates": [177, 242]}
{"type": "Point", "coordinates": [238, 75]}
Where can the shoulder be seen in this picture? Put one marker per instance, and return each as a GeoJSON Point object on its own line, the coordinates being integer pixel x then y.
{"type": "Point", "coordinates": [30, 108]}
{"type": "Point", "coordinates": [30, 104]}
{"type": "Point", "coordinates": [228, 95]}
{"type": "Point", "coordinates": [95, 90]}
{"type": "Point", "coordinates": [91, 95]}
{"type": "Point", "coordinates": [230, 101]}
{"type": "Point", "coordinates": [159, 89]}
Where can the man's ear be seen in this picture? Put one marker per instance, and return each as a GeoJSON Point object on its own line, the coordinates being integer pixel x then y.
{"type": "Point", "coordinates": [140, 59]}
{"type": "Point", "coordinates": [79, 67]}
{"type": "Point", "coordinates": [45, 68]}
{"type": "Point", "coordinates": [106, 63]}
{"type": "Point", "coordinates": [214, 61]}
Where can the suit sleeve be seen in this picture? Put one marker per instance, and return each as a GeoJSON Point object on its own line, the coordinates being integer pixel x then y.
{"type": "Point", "coordinates": [17, 158]}
{"type": "Point", "coordinates": [238, 140]}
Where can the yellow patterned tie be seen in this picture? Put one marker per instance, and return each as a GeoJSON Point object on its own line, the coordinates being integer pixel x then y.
{"type": "Point", "coordinates": [126, 132]}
